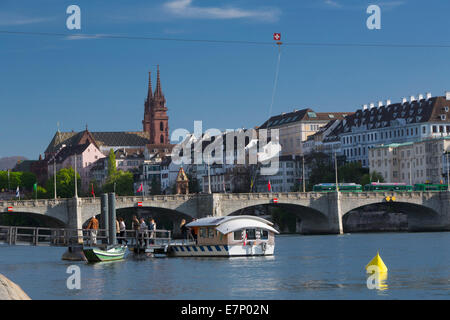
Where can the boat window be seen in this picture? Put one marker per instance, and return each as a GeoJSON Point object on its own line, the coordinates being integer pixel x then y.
{"type": "Point", "coordinates": [264, 235]}
{"type": "Point", "coordinates": [251, 234]}
{"type": "Point", "coordinates": [211, 232]}
{"type": "Point", "coordinates": [238, 235]}
{"type": "Point", "coordinates": [202, 232]}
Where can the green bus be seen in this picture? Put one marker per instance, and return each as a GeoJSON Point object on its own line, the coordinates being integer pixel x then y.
{"type": "Point", "coordinates": [388, 186]}
{"type": "Point", "coordinates": [343, 187]}
{"type": "Point", "coordinates": [430, 187]}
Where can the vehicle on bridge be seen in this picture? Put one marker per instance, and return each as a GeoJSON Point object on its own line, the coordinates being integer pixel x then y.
{"type": "Point", "coordinates": [343, 187]}
{"type": "Point", "coordinates": [388, 186]}
{"type": "Point", "coordinates": [228, 236]}
{"type": "Point", "coordinates": [430, 187]}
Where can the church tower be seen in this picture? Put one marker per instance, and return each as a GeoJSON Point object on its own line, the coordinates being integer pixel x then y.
{"type": "Point", "coordinates": [156, 120]}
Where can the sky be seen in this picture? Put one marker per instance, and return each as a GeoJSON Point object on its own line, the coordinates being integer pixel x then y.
{"type": "Point", "coordinates": [76, 81]}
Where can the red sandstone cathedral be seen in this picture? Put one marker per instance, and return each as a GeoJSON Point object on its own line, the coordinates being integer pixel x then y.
{"type": "Point", "coordinates": [156, 121]}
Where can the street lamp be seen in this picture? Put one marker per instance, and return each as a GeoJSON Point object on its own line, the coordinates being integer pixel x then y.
{"type": "Point", "coordinates": [303, 175]}
{"type": "Point", "coordinates": [54, 167]}
{"type": "Point", "coordinates": [336, 172]}
{"type": "Point", "coordinates": [448, 170]}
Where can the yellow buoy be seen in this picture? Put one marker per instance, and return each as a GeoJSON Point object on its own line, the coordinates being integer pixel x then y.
{"type": "Point", "coordinates": [388, 198]}
{"type": "Point", "coordinates": [377, 261]}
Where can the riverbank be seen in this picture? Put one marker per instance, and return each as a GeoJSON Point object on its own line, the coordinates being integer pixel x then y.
{"type": "Point", "coordinates": [11, 291]}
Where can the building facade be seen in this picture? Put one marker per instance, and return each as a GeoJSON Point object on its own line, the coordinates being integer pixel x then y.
{"type": "Point", "coordinates": [412, 162]}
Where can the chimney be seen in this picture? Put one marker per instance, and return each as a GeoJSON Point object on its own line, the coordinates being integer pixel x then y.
{"type": "Point", "coordinates": [380, 103]}
{"type": "Point", "coordinates": [388, 102]}
{"type": "Point", "coordinates": [404, 100]}
{"type": "Point", "coordinates": [447, 95]}
{"type": "Point", "coordinates": [420, 96]}
{"type": "Point", "coordinates": [372, 105]}
{"type": "Point", "coordinates": [412, 98]}
{"type": "Point", "coordinates": [428, 94]}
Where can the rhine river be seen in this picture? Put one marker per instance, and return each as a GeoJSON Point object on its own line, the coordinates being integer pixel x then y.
{"type": "Point", "coordinates": [303, 267]}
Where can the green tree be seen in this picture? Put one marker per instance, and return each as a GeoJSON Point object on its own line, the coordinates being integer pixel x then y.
{"type": "Point", "coordinates": [123, 184]}
{"type": "Point", "coordinates": [28, 179]}
{"type": "Point", "coordinates": [65, 184]}
{"type": "Point", "coordinates": [194, 186]}
{"type": "Point", "coordinates": [112, 170]}
{"type": "Point", "coordinates": [371, 177]}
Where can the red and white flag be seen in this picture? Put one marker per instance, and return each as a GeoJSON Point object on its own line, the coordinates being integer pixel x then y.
{"type": "Point", "coordinates": [277, 36]}
{"type": "Point", "coordinates": [92, 191]}
{"type": "Point", "coordinates": [141, 188]}
{"type": "Point", "coordinates": [245, 238]}
{"type": "Point", "coordinates": [269, 187]}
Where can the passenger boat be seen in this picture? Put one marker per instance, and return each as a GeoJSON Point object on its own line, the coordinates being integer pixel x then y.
{"type": "Point", "coordinates": [98, 255]}
{"type": "Point", "coordinates": [226, 237]}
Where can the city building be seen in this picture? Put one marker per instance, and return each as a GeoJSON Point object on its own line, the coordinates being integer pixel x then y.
{"type": "Point", "coordinates": [412, 162]}
{"type": "Point", "coordinates": [295, 127]}
{"type": "Point", "coordinates": [419, 118]}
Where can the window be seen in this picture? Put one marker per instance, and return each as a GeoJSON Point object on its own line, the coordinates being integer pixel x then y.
{"type": "Point", "coordinates": [264, 235]}
{"type": "Point", "coordinates": [237, 235]}
{"type": "Point", "coordinates": [251, 234]}
{"type": "Point", "coordinates": [161, 126]}
{"type": "Point", "coordinates": [211, 232]}
{"type": "Point", "coordinates": [161, 139]}
{"type": "Point", "coordinates": [202, 232]}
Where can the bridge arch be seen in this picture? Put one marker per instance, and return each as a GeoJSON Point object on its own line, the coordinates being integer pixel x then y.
{"type": "Point", "coordinates": [30, 219]}
{"type": "Point", "coordinates": [289, 217]}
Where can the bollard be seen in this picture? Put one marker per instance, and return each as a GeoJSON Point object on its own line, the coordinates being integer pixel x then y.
{"type": "Point", "coordinates": [105, 215]}
{"type": "Point", "coordinates": [112, 218]}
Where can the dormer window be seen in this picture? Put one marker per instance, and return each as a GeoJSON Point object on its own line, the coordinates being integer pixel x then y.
{"type": "Point", "coordinates": [443, 117]}
{"type": "Point", "coordinates": [446, 109]}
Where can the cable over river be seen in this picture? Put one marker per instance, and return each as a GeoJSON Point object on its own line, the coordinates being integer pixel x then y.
{"type": "Point", "coordinates": [303, 267]}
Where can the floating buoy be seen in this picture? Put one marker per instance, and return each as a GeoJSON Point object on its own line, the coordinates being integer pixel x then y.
{"type": "Point", "coordinates": [377, 261]}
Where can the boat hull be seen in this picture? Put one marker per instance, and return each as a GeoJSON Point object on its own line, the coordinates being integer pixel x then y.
{"type": "Point", "coordinates": [98, 255]}
{"type": "Point", "coordinates": [220, 250]}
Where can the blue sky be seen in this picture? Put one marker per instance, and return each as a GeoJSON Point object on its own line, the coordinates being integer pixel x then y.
{"type": "Point", "coordinates": [102, 82]}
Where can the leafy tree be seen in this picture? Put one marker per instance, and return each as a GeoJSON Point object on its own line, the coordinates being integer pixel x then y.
{"type": "Point", "coordinates": [194, 186]}
{"type": "Point", "coordinates": [28, 179]}
{"type": "Point", "coordinates": [65, 183]}
{"type": "Point", "coordinates": [124, 184]}
{"type": "Point", "coordinates": [371, 177]}
{"type": "Point", "coordinates": [112, 170]}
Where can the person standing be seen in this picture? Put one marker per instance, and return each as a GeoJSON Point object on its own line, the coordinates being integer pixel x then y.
{"type": "Point", "coordinates": [122, 228]}
{"type": "Point", "coordinates": [152, 228]}
{"type": "Point", "coordinates": [143, 230]}
{"type": "Point", "coordinates": [93, 227]}
{"type": "Point", "coordinates": [118, 230]}
{"type": "Point", "coordinates": [135, 227]}
{"type": "Point", "coordinates": [184, 229]}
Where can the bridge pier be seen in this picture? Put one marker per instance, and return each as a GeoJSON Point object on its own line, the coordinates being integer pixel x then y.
{"type": "Point", "coordinates": [75, 221]}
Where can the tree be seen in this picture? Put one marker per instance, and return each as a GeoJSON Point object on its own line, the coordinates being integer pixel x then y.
{"type": "Point", "coordinates": [112, 170]}
{"type": "Point", "coordinates": [123, 184]}
{"type": "Point", "coordinates": [65, 184]}
{"type": "Point", "coordinates": [371, 177]}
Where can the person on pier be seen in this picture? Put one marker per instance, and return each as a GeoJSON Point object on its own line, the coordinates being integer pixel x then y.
{"type": "Point", "coordinates": [93, 227]}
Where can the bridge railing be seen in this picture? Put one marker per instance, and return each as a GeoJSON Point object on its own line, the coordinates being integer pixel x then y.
{"type": "Point", "coordinates": [14, 235]}
{"type": "Point", "coordinates": [152, 237]}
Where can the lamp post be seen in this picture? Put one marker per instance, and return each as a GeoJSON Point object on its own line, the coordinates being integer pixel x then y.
{"type": "Point", "coordinates": [76, 180]}
{"type": "Point", "coordinates": [303, 174]}
{"type": "Point", "coordinates": [448, 170]}
{"type": "Point", "coordinates": [336, 171]}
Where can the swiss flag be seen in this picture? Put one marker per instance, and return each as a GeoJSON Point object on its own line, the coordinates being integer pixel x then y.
{"type": "Point", "coordinates": [269, 186]}
{"type": "Point", "coordinates": [277, 36]}
{"type": "Point", "coordinates": [140, 189]}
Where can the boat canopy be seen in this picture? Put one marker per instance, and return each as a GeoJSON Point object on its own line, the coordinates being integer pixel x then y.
{"type": "Point", "coordinates": [233, 223]}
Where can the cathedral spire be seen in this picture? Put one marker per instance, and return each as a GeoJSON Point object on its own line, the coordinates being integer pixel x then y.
{"type": "Point", "coordinates": [158, 91]}
{"type": "Point", "coordinates": [149, 94]}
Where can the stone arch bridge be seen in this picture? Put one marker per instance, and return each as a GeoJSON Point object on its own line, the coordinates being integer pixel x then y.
{"type": "Point", "coordinates": [319, 212]}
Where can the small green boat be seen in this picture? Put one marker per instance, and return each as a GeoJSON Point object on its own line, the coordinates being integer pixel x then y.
{"type": "Point", "coordinates": [98, 255]}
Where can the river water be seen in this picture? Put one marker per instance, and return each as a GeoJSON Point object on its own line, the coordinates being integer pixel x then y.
{"type": "Point", "coordinates": [303, 267]}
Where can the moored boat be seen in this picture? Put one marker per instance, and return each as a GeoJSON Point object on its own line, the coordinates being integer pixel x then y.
{"type": "Point", "coordinates": [98, 255]}
{"type": "Point", "coordinates": [228, 236]}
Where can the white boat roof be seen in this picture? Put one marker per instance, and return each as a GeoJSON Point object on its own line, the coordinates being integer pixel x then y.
{"type": "Point", "coordinates": [232, 223]}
